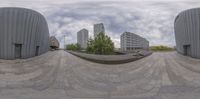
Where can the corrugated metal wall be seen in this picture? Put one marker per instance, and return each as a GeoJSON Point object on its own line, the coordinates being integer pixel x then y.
{"type": "Point", "coordinates": [187, 32]}
{"type": "Point", "coordinates": [22, 26]}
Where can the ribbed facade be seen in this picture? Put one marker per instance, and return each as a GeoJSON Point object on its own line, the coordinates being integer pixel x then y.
{"type": "Point", "coordinates": [23, 33]}
{"type": "Point", "coordinates": [130, 41]}
{"type": "Point", "coordinates": [187, 32]}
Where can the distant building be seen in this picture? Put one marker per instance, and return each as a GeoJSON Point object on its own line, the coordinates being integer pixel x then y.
{"type": "Point", "coordinates": [54, 43]}
{"type": "Point", "coordinates": [24, 33]}
{"type": "Point", "coordinates": [82, 38]}
{"type": "Point", "coordinates": [187, 32]}
{"type": "Point", "coordinates": [98, 28]}
{"type": "Point", "coordinates": [130, 41]}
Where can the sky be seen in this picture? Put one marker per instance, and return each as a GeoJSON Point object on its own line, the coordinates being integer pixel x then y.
{"type": "Point", "coordinates": [151, 19]}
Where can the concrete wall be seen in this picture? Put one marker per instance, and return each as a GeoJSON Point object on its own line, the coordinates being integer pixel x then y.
{"type": "Point", "coordinates": [22, 26]}
{"type": "Point", "coordinates": [187, 32]}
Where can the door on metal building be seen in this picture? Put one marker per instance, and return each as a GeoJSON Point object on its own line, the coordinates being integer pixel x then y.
{"type": "Point", "coordinates": [37, 50]}
{"type": "Point", "coordinates": [186, 49]}
{"type": "Point", "coordinates": [18, 50]}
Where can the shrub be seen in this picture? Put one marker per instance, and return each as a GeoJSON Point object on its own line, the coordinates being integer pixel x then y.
{"type": "Point", "coordinates": [73, 47]}
{"type": "Point", "coordinates": [101, 44]}
{"type": "Point", "coordinates": [161, 48]}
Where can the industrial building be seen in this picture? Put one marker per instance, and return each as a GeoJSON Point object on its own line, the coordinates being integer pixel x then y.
{"type": "Point", "coordinates": [130, 41]}
{"type": "Point", "coordinates": [187, 32]}
{"type": "Point", "coordinates": [82, 38]}
{"type": "Point", "coordinates": [98, 28]}
{"type": "Point", "coordinates": [54, 43]}
{"type": "Point", "coordinates": [23, 33]}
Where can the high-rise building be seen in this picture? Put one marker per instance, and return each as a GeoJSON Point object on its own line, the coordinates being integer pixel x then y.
{"type": "Point", "coordinates": [130, 41]}
{"type": "Point", "coordinates": [82, 38]}
{"type": "Point", "coordinates": [98, 28]}
{"type": "Point", "coordinates": [187, 32]}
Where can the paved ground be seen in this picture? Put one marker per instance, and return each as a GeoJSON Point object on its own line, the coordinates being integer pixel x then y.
{"type": "Point", "coordinates": [112, 59]}
{"type": "Point", "coordinates": [60, 75]}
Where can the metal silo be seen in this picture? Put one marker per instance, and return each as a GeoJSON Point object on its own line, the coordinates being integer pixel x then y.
{"type": "Point", "coordinates": [187, 32]}
{"type": "Point", "coordinates": [23, 33]}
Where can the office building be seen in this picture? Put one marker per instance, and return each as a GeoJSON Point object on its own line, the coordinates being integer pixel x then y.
{"type": "Point", "coordinates": [98, 28]}
{"type": "Point", "coordinates": [130, 41]}
{"type": "Point", "coordinates": [82, 38]}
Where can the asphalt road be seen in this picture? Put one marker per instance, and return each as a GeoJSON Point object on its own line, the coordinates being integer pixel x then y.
{"type": "Point", "coordinates": [60, 75]}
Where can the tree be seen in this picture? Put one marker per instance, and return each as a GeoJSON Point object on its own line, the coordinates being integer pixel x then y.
{"type": "Point", "coordinates": [73, 47]}
{"type": "Point", "coordinates": [101, 44]}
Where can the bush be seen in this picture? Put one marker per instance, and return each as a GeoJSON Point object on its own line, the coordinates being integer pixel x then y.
{"type": "Point", "coordinates": [161, 48]}
{"type": "Point", "coordinates": [101, 44]}
{"type": "Point", "coordinates": [73, 47]}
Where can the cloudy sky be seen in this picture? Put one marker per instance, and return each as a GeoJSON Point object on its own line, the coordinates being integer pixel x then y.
{"type": "Point", "coordinates": [151, 19]}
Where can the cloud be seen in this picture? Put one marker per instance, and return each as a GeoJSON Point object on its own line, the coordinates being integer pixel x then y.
{"type": "Point", "coordinates": [151, 19]}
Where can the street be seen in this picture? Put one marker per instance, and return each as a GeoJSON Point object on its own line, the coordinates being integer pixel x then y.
{"type": "Point", "coordinates": [60, 75]}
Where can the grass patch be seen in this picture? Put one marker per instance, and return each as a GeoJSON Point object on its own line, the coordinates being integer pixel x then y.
{"type": "Point", "coordinates": [161, 48]}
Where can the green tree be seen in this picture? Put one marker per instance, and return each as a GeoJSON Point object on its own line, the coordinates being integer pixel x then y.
{"type": "Point", "coordinates": [73, 47]}
{"type": "Point", "coordinates": [101, 44]}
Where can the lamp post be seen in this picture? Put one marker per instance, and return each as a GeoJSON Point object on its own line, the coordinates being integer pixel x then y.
{"type": "Point", "coordinates": [64, 42]}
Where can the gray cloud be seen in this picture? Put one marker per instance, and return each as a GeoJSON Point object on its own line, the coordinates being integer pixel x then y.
{"type": "Point", "coordinates": [152, 20]}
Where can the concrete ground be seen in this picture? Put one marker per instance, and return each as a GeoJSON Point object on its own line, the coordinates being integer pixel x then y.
{"type": "Point", "coordinates": [112, 59]}
{"type": "Point", "coordinates": [60, 75]}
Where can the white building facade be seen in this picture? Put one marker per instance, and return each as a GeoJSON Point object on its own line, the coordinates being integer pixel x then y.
{"type": "Point", "coordinates": [98, 28]}
{"type": "Point", "coordinates": [130, 41]}
{"type": "Point", "coordinates": [82, 38]}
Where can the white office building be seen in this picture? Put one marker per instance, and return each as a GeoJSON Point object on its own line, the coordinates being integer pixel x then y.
{"type": "Point", "coordinates": [131, 41]}
{"type": "Point", "coordinates": [82, 38]}
{"type": "Point", "coordinates": [98, 28]}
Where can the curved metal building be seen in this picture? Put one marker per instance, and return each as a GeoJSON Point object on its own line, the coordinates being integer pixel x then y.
{"type": "Point", "coordinates": [187, 32]}
{"type": "Point", "coordinates": [23, 33]}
